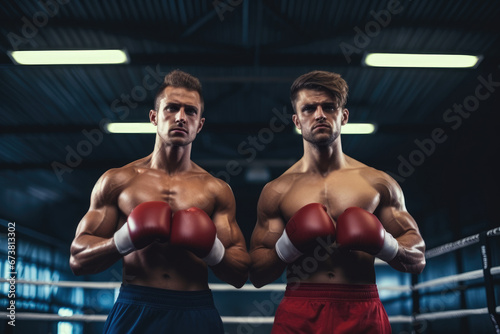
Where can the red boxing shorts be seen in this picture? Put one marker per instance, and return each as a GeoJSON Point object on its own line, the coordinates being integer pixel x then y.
{"type": "Point", "coordinates": [331, 308]}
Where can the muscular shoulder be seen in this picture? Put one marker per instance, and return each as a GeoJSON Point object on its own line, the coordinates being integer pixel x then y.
{"type": "Point", "coordinates": [388, 188]}
{"type": "Point", "coordinates": [221, 192]}
{"type": "Point", "coordinates": [273, 193]}
{"type": "Point", "coordinates": [282, 184]}
{"type": "Point", "coordinates": [218, 188]}
{"type": "Point", "coordinates": [111, 183]}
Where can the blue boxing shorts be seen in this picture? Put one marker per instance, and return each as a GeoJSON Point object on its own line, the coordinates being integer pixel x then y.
{"type": "Point", "coordinates": [141, 309]}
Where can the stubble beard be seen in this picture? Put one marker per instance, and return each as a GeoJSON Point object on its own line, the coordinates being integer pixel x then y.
{"type": "Point", "coordinates": [175, 141]}
{"type": "Point", "coordinates": [322, 141]}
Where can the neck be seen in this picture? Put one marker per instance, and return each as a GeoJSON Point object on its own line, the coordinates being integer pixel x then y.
{"type": "Point", "coordinates": [170, 158]}
{"type": "Point", "coordinates": [323, 159]}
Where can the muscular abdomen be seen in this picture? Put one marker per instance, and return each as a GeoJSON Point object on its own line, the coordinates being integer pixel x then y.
{"type": "Point", "coordinates": [339, 267]}
{"type": "Point", "coordinates": [166, 267]}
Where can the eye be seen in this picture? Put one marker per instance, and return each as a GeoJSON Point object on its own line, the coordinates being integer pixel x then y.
{"type": "Point", "coordinates": [329, 107]}
{"type": "Point", "coordinates": [190, 111]}
{"type": "Point", "coordinates": [309, 108]}
{"type": "Point", "coordinates": [172, 108]}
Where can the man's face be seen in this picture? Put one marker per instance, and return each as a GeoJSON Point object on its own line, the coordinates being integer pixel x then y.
{"type": "Point", "coordinates": [178, 118]}
{"type": "Point", "coordinates": [318, 117]}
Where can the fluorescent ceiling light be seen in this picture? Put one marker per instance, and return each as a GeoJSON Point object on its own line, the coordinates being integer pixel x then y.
{"type": "Point", "coordinates": [130, 128]}
{"type": "Point", "coordinates": [358, 129]}
{"type": "Point", "coordinates": [354, 129]}
{"type": "Point", "coordinates": [420, 60]}
{"type": "Point", "coordinates": [68, 57]}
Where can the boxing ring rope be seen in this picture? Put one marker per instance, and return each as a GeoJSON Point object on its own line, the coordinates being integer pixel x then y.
{"type": "Point", "coordinates": [486, 272]}
{"type": "Point", "coordinates": [253, 320]}
{"type": "Point", "coordinates": [475, 274]}
{"type": "Point", "coordinates": [452, 246]}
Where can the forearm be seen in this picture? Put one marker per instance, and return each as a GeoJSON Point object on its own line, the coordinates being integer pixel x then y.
{"type": "Point", "coordinates": [266, 266]}
{"type": "Point", "coordinates": [411, 254]}
{"type": "Point", "coordinates": [233, 268]}
{"type": "Point", "coordinates": [91, 255]}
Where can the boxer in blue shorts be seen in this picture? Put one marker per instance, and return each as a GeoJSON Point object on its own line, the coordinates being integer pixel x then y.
{"type": "Point", "coordinates": [168, 220]}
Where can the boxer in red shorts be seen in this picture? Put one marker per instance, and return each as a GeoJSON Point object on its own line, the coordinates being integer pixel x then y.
{"type": "Point", "coordinates": [326, 219]}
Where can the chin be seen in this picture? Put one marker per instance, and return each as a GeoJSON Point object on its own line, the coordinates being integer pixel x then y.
{"type": "Point", "coordinates": [321, 140]}
{"type": "Point", "coordinates": [179, 143]}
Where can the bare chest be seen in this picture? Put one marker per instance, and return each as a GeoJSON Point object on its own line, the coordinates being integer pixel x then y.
{"type": "Point", "coordinates": [337, 192]}
{"type": "Point", "coordinates": [180, 192]}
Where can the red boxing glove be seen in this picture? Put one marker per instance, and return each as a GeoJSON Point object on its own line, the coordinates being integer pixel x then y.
{"type": "Point", "coordinates": [194, 230]}
{"type": "Point", "coordinates": [358, 229]}
{"type": "Point", "coordinates": [302, 230]}
{"type": "Point", "coordinates": [148, 222]}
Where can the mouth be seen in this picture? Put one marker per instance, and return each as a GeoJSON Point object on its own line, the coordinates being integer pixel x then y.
{"type": "Point", "coordinates": [179, 130]}
{"type": "Point", "coordinates": [321, 126]}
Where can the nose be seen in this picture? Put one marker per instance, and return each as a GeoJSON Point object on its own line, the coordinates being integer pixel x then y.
{"type": "Point", "coordinates": [180, 117]}
{"type": "Point", "coordinates": [319, 114]}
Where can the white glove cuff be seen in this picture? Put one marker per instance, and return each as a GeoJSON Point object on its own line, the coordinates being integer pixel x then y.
{"type": "Point", "coordinates": [123, 242]}
{"type": "Point", "coordinates": [216, 253]}
{"type": "Point", "coordinates": [389, 249]}
{"type": "Point", "coordinates": [286, 250]}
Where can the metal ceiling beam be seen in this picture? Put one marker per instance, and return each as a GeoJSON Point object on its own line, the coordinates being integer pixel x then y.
{"type": "Point", "coordinates": [245, 23]}
{"type": "Point", "coordinates": [195, 26]}
{"type": "Point", "coordinates": [106, 164]}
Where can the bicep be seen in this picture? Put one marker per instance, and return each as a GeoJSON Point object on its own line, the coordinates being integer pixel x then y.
{"type": "Point", "coordinates": [397, 221]}
{"type": "Point", "coordinates": [270, 224]}
{"type": "Point", "coordinates": [97, 226]}
{"type": "Point", "coordinates": [224, 218]}
{"type": "Point", "coordinates": [401, 225]}
{"type": "Point", "coordinates": [101, 219]}
{"type": "Point", "coordinates": [99, 222]}
{"type": "Point", "coordinates": [266, 233]}
{"type": "Point", "coordinates": [392, 211]}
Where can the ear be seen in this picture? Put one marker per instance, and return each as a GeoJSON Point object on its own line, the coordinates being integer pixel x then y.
{"type": "Point", "coordinates": [153, 117]}
{"type": "Point", "coordinates": [345, 116]}
{"type": "Point", "coordinates": [200, 126]}
{"type": "Point", "coordinates": [295, 120]}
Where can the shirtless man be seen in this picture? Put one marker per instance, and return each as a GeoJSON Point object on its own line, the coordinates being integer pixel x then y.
{"type": "Point", "coordinates": [325, 220]}
{"type": "Point", "coordinates": [167, 219]}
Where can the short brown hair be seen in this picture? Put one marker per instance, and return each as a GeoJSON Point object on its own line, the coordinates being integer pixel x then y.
{"type": "Point", "coordinates": [329, 82]}
{"type": "Point", "coordinates": [180, 79]}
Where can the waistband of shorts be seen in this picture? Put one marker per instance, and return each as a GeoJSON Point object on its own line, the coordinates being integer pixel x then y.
{"type": "Point", "coordinates": [138, 294]}
{"type": "Point", "coordinates": [332, 291]}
